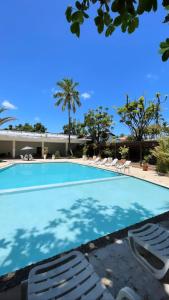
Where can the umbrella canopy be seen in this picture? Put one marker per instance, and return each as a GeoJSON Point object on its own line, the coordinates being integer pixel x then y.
{"type": "Point", "coordinates": [27, 148]}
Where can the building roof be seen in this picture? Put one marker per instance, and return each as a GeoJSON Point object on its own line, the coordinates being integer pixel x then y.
{"type": "Point", "coordinates": [34, 136]}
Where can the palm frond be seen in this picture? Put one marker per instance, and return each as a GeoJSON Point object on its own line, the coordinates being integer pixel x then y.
{"type": "Point", "coordinates": [69, 97]}
{"type": "Point", "coordinates": [7, 119]}
{"type": "Point", "coordinates": [59, 101]}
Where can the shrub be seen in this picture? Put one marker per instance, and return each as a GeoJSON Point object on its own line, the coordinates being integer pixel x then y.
{"type": "Point", "coordinates": [124, 151]}
{"type": "Point", "coordinates": [161, 153]}
{"type": "Point", "coordinates": [146, 159]}
{"type": "Point", "coordinates": [106, 153]}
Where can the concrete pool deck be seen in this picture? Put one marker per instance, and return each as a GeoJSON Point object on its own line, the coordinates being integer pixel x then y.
{"type": "Point", "coordinates": [114, 262]}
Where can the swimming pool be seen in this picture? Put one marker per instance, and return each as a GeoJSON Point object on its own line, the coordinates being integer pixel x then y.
{"type": "Point", "coordinates": [38, 224]}
{"type": "Point", "coordinates": [37, 174]}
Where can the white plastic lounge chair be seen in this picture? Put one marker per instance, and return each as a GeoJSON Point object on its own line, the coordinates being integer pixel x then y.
{"type": "Point", "coordinates": [21, 157]}
{"type": "Point", "coordinates": [70, 277]}
{"type": "Point", "coordinates": [95, 161]}
{"type": "Point", "coordinates": [113, 163]}
{"type": "Point", "coordinates": [102, 162]}
{"type": "Point", "coordinates": [153, 240]}
{"type": "Point", "coordinates": [30, 157]}
{"type": "Point", "coordinates": [124, 166]}
{"type": "Point", "coordinates": [26, 157]}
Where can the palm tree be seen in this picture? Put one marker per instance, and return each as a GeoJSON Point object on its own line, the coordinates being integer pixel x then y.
{"type": "Point", "coordinates": [7, 119]}
{"type": "Point", "coordinates": [69, 97]}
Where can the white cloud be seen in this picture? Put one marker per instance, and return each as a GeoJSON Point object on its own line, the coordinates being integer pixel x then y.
{"type": "Point", "coordinates": [86, 95]}
{"type": "Point", "coordinates": [37, 119]}
{"type": "Point", "coordinates": [152, 76]}
{"type": "Point", "coordinates": [8, 105]}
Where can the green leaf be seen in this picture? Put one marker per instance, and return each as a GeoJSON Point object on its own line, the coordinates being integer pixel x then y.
{"type": "Point", "coordinates": [165, 3]}
{"type": "Point", "coordinates": [124, 26]}
{"type": "Point", "coordinates": [85, 15]}
{"type": "Point", "coordinates": [68, 14]}
{"type": "Point", "coordinates": [117, 21]}
{"type": "Point", "coordinates": [109, 30]}
{"type": "Point", "coordinates": [166, 20]}
{"type": "Point", "coordinates": [75, 28]}
{"type": "Point", "coordinates": [100, 27]}
{"type": "Point", "coordinates": [107, 18]}
{"type": "Point", "coordinates": [97, 20]}
{"type": "Point", "coordinates": [146, 5]}
{"type": "Point", "coordinates": [165, 55]}
{"type": "Point", "coordinates": [78, 5]}
{"type": "Point", "coordinates": [78, 17]}
{"type": "Point", "coordinates": [100, 12]}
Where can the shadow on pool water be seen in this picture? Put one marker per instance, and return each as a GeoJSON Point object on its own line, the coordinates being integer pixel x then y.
{"type": "Point", "coordinates": [86, 217]}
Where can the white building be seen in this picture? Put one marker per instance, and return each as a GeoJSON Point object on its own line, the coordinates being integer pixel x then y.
{"type": "Point", "coordinates": [11, 143]}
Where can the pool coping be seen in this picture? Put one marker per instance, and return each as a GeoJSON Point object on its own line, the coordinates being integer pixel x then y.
{"type": "Point", "coordinates": [13, 279]}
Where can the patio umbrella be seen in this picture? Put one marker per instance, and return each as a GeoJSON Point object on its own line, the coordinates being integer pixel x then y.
{"type": "Point", "coordinates": [27, 148]}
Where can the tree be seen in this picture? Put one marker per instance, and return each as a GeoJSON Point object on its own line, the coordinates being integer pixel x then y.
{"type": "Point", "coordinates": [69, 98]}
{"type": "Point", "coordinates": [98, 124]}
{"type": "Point", "coordinates": [111, 14]}
{"type": "Point", "coordinates": [39, 127]}
{"type": "Point", "coordinates": [138, 115]}
{"type": "Point", "coordinates": [76, 128]}
{"type": "Point", "coordinates": [6, 119]}
{"type": "Point", "coordinates": [153, 131]}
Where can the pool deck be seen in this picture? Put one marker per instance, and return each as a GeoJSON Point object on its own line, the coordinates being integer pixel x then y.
{"type": "Point", "coordinates": [114, 261]}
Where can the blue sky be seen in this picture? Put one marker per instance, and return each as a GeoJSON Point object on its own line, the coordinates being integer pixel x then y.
{"type": "Point", "coordinates": [37, 50]}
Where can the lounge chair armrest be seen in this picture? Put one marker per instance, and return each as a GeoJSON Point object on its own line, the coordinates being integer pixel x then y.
{"type": "Point", "coordinates": [127, 294]}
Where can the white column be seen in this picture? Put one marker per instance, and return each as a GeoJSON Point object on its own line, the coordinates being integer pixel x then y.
{"type": "Point", "coordinates": [13, 149]}
{"type": "Point", "coordinates": [43, 145]}
{"type": "Point", "coordinates": [66, 148]}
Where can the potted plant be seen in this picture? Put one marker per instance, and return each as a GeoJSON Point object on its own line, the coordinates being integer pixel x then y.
{"type": "Point", "coordinates": [145, 162]}
{"type": "Point", "coordinates": [123, 150]}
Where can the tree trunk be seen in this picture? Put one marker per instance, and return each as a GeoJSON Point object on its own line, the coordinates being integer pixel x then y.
{"type": "Point", "coordinates": [69, 149]}
{"type": "Point", "coordinates": [141, 153]}
{"type": "Point", "coordinates": [140, 140]}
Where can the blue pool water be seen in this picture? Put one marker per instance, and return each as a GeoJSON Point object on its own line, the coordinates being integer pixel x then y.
{"type": "Point", "coordinates": [26, 175]}
{"type": "Point", "coordinates": [38, 224]}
